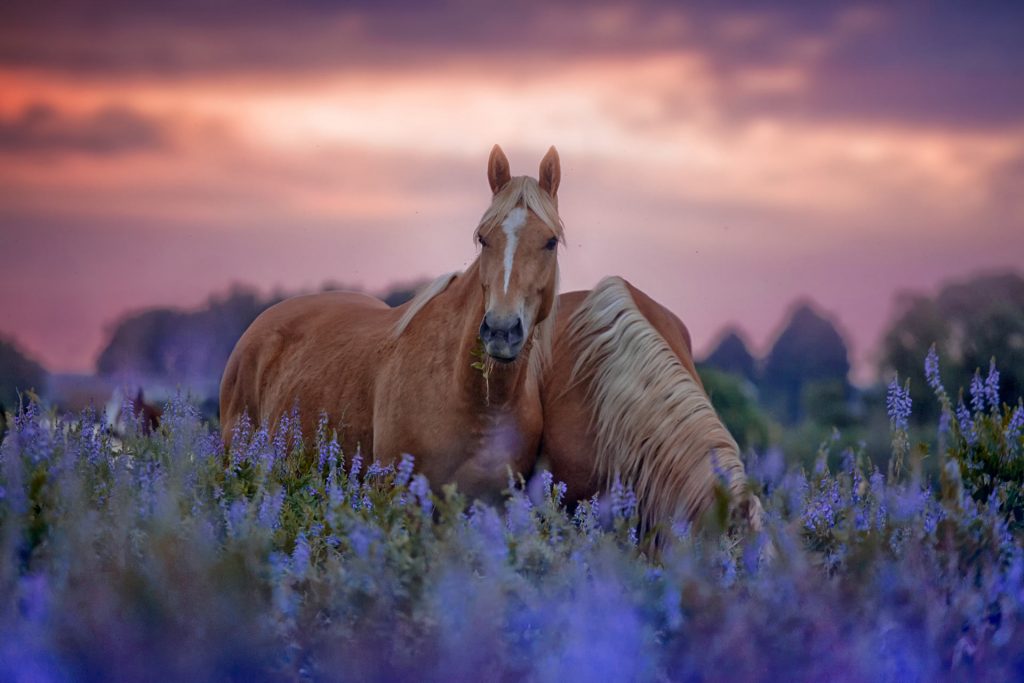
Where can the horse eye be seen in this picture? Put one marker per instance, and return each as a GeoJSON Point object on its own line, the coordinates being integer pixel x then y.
{"type": "Point", "coordinates": [552, 243]}
{"type": "Point", "coordinates": [481, 240]}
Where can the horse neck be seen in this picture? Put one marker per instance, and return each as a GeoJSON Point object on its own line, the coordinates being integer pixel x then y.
{"type": "Point", "coordinates": [496, 385]}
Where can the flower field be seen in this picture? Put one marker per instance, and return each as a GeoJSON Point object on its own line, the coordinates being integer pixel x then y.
{"type": "Point", "coordinates": [165, 557]}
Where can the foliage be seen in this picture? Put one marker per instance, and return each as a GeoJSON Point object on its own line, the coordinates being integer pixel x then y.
{"type": "Point", "coordinates": [18, 373]}
{"type": "Point", "coordinates": [731, 355]}
{"type": "Point", "coordinates": [986, 440]}
{"type": "Point", "coordinates": [188, 345]}
{"type": "Point", "coordinates": [134, 557]}
{"type": "Point", "coordinates": [809, 350]}
{"type": "Point", "coordinates": [969, 322]}
{"type": "Point", "coordinates": [735, 401]}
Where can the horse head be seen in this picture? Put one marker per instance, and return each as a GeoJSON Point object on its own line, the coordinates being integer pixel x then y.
{"type": "Point", "coordinates": [519, 236]}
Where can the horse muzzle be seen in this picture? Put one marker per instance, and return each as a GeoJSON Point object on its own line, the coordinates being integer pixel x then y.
{"type": "Point", "coordinates": [502, 336]}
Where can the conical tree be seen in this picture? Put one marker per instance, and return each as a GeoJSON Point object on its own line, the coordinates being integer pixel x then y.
{"type": "Point", "coordinates": [732, 355]}
{"type": "Point", "coordinates": [808, 352]}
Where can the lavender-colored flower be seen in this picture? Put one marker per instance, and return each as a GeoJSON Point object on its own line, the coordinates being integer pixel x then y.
{"type": "Point", "coordinates": [546, 480]}
{"type": "Point", "coordinates": [560, 491]}
{"type": "Point", "coordinates": [327, 447]}
{"type": "Point", "coordinates": [235, 516]}
{"type": "Point", "coordinates": [335, 494]}
{"type": "Point", "coordinates": [519, 513]}
{"type": "Point", "coordinates": [420, 488]}
{"type": "Point", "coordinates": [354, 485]}
{"type": "Point", "coordinates": [281, 437]}
{"type": "Point", "coordinates": [944, 421]}
{"type": "Point", "coordinates": [377, 471]}
{"type": "Point", "coordinates": [301, 555]}
{"type": "Point", "coordinates": [966, 423]}
{"type": "Point", "coordinates": [823, 508]}
{"type": "Point", "coordinates": [1015, 426]}
{"type": "Point", "coordinates": [623, 503]}
{"type": "Point", "coordinates": [931, 369]}
{"type": "Point", "coordinates": [404, 473]}
{"type": "Point", "coordinates": [992, 385]}
{"type": "Point", "coordinates": [898, 404]}
{"type": "Point", "coordinates": [270, 509]}
{"type": "Point", "coordinates": [977, 393]}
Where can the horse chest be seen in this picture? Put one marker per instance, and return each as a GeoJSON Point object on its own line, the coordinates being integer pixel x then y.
{"type": "Point", "coordinates": [498, 443]}
{"type": "Point", "coordinates": [499, 440]}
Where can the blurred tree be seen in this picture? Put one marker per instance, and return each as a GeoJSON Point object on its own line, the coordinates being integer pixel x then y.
{"type": "Point", "coordinates": [734, 398]}
{"type": "Point", "coordinates": [731, 355]}
{"type": "Point", "coordinates": [182, 345]}
{"type": "Point", "coordinates": [827, 402]}
{"type": "Point", "coordinates": [970, 322]}
{"type": "Point", "coordinates": [190, 348]}
{"type": "Point", "coordinates": [808, 350]}
{"type": "Point", "coordinates": [18, 372]}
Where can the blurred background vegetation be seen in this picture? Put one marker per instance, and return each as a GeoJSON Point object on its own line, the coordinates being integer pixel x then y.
{"type": "Point", "coordinates": [796, 396]}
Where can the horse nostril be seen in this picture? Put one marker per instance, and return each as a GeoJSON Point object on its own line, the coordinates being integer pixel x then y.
{"type": "Point", "coordinates": [485, 331]}
{"type": "Point", "coordinates": [515, 335]}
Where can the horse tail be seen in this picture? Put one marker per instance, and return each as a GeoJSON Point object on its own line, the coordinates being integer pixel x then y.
{"type": "Point", "coordinates": [654, 425]}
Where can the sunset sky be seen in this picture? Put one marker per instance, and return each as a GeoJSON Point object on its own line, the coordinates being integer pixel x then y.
{"type": "Point", "coordinates": [725, 158]}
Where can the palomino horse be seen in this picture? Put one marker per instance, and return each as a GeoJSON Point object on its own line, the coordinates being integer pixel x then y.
{"type": "Point", "coordinates": [451, 377]}
{"type": "Point", "coordinates": [622, 397]}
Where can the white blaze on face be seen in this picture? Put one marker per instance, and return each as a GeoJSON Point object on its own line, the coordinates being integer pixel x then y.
{"type": "Point", "coordinates": [513, 222]}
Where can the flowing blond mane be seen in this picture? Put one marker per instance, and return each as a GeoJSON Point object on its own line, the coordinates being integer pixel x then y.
{"type": "Point", "coordinates": [655, 427]}
{"type": "Point", "coordinates": [522, 191]}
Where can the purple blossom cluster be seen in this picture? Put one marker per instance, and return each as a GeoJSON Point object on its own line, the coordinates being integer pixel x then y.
{"type": "Point", "coordinates": [133, 556]}
{"type": "Point", "coordinates": [898, 404]}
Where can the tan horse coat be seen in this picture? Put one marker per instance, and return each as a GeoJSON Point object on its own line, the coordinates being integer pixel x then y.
{"type": "Point", "coordinates": [402, 380]}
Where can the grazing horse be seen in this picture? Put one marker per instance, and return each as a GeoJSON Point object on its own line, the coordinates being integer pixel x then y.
{"type": "Point", "coordinates": [451, 377]}
{"type": "Point", "coordinates": [622, 397]}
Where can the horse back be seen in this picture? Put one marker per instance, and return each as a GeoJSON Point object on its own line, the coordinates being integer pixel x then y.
{"type": "Point", "coordinates": [320, 349]}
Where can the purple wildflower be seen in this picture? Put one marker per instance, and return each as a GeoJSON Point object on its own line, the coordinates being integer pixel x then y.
{"type": "Point", "coordinates": [931, 370]}
{"type": "Point", "coordinates": [898, 404]}
{"type": "Point", "coordinates": [327, 447]}
{"type": "Point", "coordinates": [335, 494]}
{"type": "Point", "coordinates": [404, 472]}
{"type": "Point", "coordinates": [966, 423]}
{"type": "Point", "coordinates": [623, 502]}
{"type": "Point", "coordinates": [235, 516]}
{"type": "Point", "coordinates": [519, 514]}
{"type": "Point", "coordinates": [420, 488]}
{"type": "Point", "coordinates": [354, 485]}
{"type": "Point", "coordinates": [1015, 426]}
{"type": "Point", "coordinates": [992, 385]}
{"type": "Point", "coordinates": [944, 422]}
{"type": "Point", "coordinates": [360, 539]}
{"type": "Point", "coordinates": [823, 508]}
{"type": "Point", "coordinates": [270, 509]}
{"type": "Point", "coordinates": [301, 555]}
{"type": "Point", "coordinates": [377, 471]}
{"type": "Point", "coordinates": [281, 437]}
{"type": "Point", "coordinates": [977, 393]}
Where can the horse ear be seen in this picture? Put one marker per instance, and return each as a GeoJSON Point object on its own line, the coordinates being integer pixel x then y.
{"type": "Point", "coordinates": [550, 172]}
{"type": "Point", "coordinates": [498, 173]}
